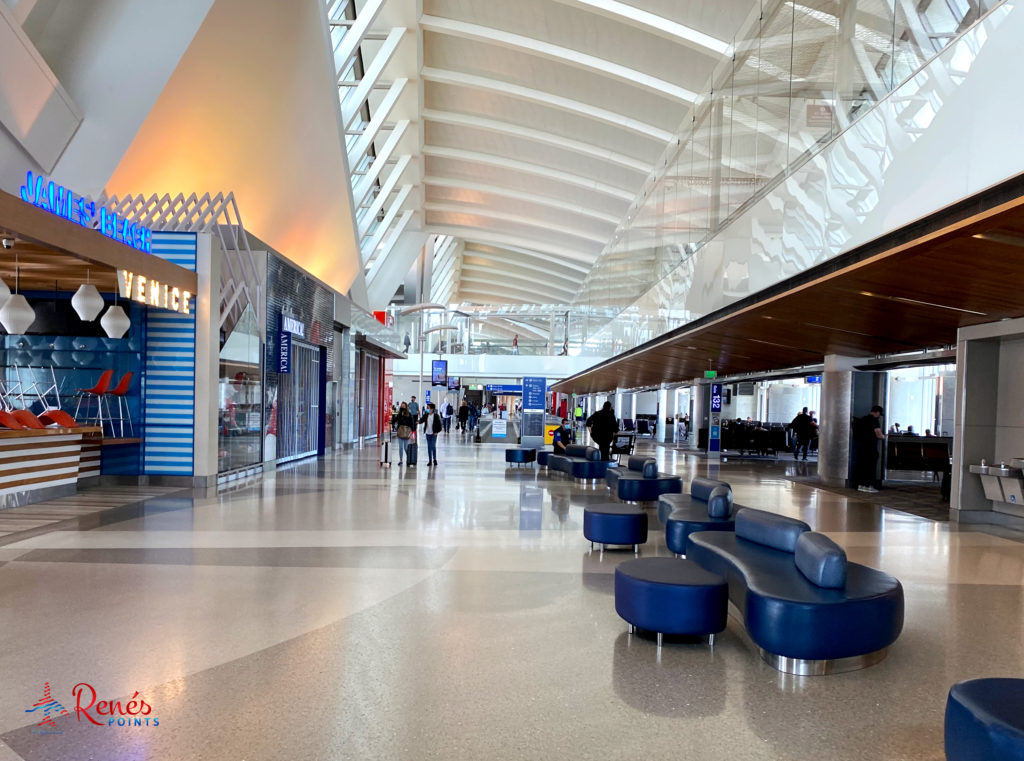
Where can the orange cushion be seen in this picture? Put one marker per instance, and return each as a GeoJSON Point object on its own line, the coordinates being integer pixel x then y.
{"type": "Point", "coordinates": [58, 417]}
{"type": "Point", "coordinates": [7, 420]}
{"type": "Point", "coordinates": [27, 419]}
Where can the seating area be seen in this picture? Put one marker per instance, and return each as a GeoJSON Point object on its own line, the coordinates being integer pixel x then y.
{"type": "Point", "coordinates": [33, 400]}
{"type": "Point", "coordinates": [708, 507]}
{"type": "Point", "coordinates": [807, 608]}
{"type": "Point", "coordinates": [640, 480]}
{"type": "Point", "coordinates": [580, 462]}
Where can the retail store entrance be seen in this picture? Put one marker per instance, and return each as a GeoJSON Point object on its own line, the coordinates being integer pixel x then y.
{"type": "Point", "coordinates": [298, 404]}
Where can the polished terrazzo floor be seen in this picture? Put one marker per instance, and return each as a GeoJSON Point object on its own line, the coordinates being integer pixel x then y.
{"type": "Point", "coordinates": [337, 611]}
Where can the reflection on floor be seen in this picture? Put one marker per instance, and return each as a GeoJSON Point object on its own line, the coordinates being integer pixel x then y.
{"type": "Point", "coordinates": [339, 611]}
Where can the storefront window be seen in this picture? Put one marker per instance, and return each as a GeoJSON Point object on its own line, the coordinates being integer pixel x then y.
{"type": "Point", "coordinates": [240, 397]}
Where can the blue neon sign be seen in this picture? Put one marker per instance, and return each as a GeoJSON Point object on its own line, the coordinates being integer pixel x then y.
{"type": "Point", "coordinates": [66, 204]}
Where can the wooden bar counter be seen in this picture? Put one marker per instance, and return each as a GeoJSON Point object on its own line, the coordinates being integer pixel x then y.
{"type": "Point", "coordinates": [41, 464]}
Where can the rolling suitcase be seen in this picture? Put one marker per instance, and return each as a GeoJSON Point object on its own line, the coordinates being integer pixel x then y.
{"type": "Point", "coordinates": [411, 452]}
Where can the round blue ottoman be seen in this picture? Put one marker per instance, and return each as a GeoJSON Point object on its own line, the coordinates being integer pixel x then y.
{"type": "Point", "coordinates": [985, 720]}
{"type": "Point", "coordinates": [615, 523]}
{"type": "Point", "coordinates": [671, 596]}
{"type": "Point", "coordinates": [520, 456]}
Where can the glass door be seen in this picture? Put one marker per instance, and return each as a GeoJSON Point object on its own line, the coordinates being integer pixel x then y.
{"type": "Point", "coordinates": [299, 404]}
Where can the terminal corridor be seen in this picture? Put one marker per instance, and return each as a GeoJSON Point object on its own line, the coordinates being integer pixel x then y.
{"type": "Point", "coordinates": [338, 610]}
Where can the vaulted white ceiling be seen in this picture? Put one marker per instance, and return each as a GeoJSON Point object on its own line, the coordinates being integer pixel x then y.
{"type": "Point", "coordinates": [534, 125]}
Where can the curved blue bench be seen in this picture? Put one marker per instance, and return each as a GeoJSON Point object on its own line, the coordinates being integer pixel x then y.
{"type": "Point", "coordinates": [708, 507]}
{"type": "Point", "coordinates": [640, 480]}
{"type": "Point", "coordinates": [634, 463]}
{"type": "Point", "coordinates": [671, 596]}
{"type": "Point", "coordinates": [615, 524]}
{"type": "Point", "coordinates": [543, 457]}
{"type": "Point", "coordinates": [520, 456]}
{"type": "Point", "coordinates": [803, 604]}
{"type": "Point", "coordinates": [580, 462]}
{"type": "Point", "coordinates": [985, 720]}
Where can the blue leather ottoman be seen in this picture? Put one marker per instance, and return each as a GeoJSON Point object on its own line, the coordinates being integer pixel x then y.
{"type": "Point", "coordinates": [615, 524]}
{"type": "Point", "coordinates": [520, 456]}
{"type": "Point", "coordinates": [671, 596]}
{"type": "Point", "coordinates": [985, 720]}
{"type": "Point", "coordinates": [543, 457]}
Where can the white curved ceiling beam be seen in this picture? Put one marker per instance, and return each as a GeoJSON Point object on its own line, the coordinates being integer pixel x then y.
{"type": "Point", "coordinates": [468, 283]}
{"type": "Point", "coordinates": [658, 25]}
{"type": "Point", "coordinates": [496, 275]}
{"type": "Point", "coordinates": [498, 294]}
{"type": "Point", "coordinates": [546, 201]}
{"type": "Point", "coordinates": [500, 249]}
{"type": "Point", "coordinates": [446, 77]}
{"type": "Point", "coordinates": [473, 258]}
{"type": "Point", "coordinates": [517, 219]}
{"type": "Point", "coordinates": [537, 136]}
{"type": "Point", "coordinates": [583, 260]}
{"type": "Point", "coordinates": [502, 162]}
{"type": "Point", "coordinates": [557, 53]}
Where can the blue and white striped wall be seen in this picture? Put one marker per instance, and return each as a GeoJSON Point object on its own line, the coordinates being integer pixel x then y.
{"type": "Point", "coordinates": [170, 373]}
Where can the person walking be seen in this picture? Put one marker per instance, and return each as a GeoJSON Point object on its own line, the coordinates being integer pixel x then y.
{"type": "Point", "coordinates": [447, 416]}
{"type": "Point", "coordinates": [867, 432]}
{"type": "Point", "coordinates": [474, 414]}
{"type": "Point", "coordinates": [603, 426]}
{"type": "Point", "coordinates": [463, 416]}
{"type": "Point", "coordinates": [801, 427]}
{"type": "Point", "coordinates": [405, 426]}
{"type": "Point", "coordinates": [515, 344]}
{"type": "Point", "coordinates": [432, 426]}
{"type": "Point", "coordinates": [414, 408]}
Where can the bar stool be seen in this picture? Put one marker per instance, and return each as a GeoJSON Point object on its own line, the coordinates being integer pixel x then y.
{"type": "Point", "coordinates": [120, 391]}
{"type": "Point", "coordinates": [97, 391]}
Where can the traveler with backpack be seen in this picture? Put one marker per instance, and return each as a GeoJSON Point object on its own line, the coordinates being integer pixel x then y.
{"type": "Point", "coordinates": [405, 428]}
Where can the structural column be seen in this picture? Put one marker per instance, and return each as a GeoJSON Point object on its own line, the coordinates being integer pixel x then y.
{"type": "Point", "coordinates": [661, 429]}
{"type": "Point", "coordinates": [834, 421]}
{"type": "Point", "coordinates": [700, 412]}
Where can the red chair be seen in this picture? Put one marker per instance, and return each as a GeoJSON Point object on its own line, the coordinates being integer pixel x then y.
{"type": "Point", "coordinates": [97, 391]}
{"type": "Point", "coordinates": [7, 420]}
{"type": "Point", "coordinates": [120, 391]}
{"type": "Point", "coordinates": [28, 419]}
{"type": "Point", "coordinates": [58, 418]}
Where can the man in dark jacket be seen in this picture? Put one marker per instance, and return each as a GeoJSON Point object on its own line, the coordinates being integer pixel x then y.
{"type": "Point", "coordinates": [603, 426]}
{"type": "Point", "coordinates": [801, 426]}
{"type": "Point", "coordinates": [867, 432]}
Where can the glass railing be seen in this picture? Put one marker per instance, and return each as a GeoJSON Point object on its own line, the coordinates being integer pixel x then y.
{"type": "Point", "coordinates": [802, 75]}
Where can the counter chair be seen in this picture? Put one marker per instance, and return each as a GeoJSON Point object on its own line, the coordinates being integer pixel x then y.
{"type": "Point", "coordinates": [120, 391]}
{"type": "Point", "coordinates": [98, 391]}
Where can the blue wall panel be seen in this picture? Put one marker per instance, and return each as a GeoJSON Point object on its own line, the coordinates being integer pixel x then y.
{"type": "Point", "coordinates": [171, 373]}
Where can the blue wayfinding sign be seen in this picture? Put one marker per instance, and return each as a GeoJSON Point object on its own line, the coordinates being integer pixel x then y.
{"type": "Point", "coordinates": [284, 352]}
{"type": "Point", "coordinates": [534, 390]}
{"type": "Point", "coordinates": [500, 390]}
{"type": "Point", "coordinates": [716, 397]}
{"type": "Point", "coordinates": [812, 379]}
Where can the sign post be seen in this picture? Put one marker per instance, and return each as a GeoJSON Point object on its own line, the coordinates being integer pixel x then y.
{"type": "Point", "coordinates": [532, 424]}
{"type": "Point", "coordinates": [715, 422]}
